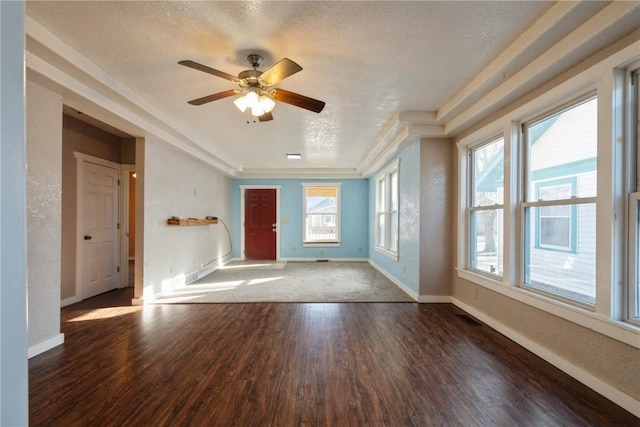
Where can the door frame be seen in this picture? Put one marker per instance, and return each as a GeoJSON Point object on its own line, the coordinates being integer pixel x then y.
{"type": "Point", "coordinates": [243, 188]}
{"type": "Point", "coordinates": [81, 158]}
{"type": "Point", "coordinates": [125, 169]}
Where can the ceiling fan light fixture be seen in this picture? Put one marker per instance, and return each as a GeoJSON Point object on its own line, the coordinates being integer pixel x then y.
{"type": "Point", "coordinates": [241, 103]}
{"type": "Point", "coordinates": [267, 103]}
{"type": "Point", "coordinates": [252, 99]}
{"type": "Point", "coordinates": [257, 110]}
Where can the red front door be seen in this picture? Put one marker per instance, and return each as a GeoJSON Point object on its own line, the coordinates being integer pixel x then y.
{"type": "Point", "coordinates": [260, 224]}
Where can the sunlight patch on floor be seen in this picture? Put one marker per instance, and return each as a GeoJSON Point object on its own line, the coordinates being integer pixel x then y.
{"type": "Point", "coordinates": [106, 313]}
{"type": "Point", "coordinates": [265, 280]}
{"type": "Point", "coordinates": [213, 286]}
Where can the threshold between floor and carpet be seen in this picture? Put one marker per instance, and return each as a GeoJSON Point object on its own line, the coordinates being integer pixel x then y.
{"type": "Point", "coordinates": [282, 281]}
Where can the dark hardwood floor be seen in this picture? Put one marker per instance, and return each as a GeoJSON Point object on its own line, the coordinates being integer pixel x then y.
{"type": "Point", "coordinates": [357, 364]}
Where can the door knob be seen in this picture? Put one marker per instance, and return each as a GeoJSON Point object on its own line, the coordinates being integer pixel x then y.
{"type": "Point", "coordinates": [87, 237]}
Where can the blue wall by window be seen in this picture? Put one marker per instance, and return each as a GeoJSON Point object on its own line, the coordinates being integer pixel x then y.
{"type": "Point", "coordinates": [407, 268]}
{"type": "Point", "coordinates": [354, 231]}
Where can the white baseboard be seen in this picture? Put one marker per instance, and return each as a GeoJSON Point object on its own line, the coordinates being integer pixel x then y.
{"type": "Point", "coordinates": [45, 345]}
{"type": "Point", "coordinates": [395, 281]}
{"type": "Point", "coordinates": [324, 259]}
{"type": "Point", "coordinates": [431, 299]}
{"type": "Point", "coordinates": [69, 301]}
{"type": "Point", "coordinates": [616, 396]}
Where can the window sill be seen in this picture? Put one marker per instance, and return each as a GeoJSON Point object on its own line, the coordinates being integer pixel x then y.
{"type": "Point", "coordinates": [618, 330]}
{"type": "Point", "coordinates": [321, 244]}
{"type": "Point", "coordinates": [387, 253]}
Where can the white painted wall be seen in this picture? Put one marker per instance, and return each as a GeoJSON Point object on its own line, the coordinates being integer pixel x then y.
{"type": "Point", "coordinates": [13, 272]}
{"type": "Point", "coordinates": [44, 216]}
{"type": "Point", "coordinates": [178, 185]}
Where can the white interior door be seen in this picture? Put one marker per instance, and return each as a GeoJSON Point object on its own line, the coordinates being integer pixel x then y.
{"type": "Point", "coordinates": [100, 230]}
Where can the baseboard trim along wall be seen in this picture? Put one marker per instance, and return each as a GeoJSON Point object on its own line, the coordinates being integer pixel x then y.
{"type": "Point", "coordinates": [69, 301]}
{"type": "Point", "coordinates": [413, 294]}
{"type": "Point", "coordinates": [616, 396]}
{"type": "Point", "coordinates": [434, 299]}
{"type": "Point", "coordinates": [45, 345]}
{"type": "Point", "coordinates": [324, 259]}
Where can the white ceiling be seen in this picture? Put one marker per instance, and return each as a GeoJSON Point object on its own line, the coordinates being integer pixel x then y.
{"type": "Point", "coordinates": [387, 71]}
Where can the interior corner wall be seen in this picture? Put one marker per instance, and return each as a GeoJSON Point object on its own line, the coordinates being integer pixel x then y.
{"type": "Point", "coordinates": [44, 216]}
{"type": "Point", "coordinates": [406, 270]}
{"type": "Point", "coordinates": [176, 184]}
{"type": "Point", "coordinates": [436, 204]}
{"type": "Point", "coordinates": [87, 139]}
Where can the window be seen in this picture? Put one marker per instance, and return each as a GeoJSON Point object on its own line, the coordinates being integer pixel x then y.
{"type": "Point", "coordinates": [321, 210]}
{"type": "Point", "coordinates": [556, 224]}
{"type": "Point", "coordinates": [570, 217]}
{"type": "Point", "coordinates": [559, 208]}
{"type": "Point", "coordinates": [387, 210]}
{"type": "Point", "coordinates": [485, 213]}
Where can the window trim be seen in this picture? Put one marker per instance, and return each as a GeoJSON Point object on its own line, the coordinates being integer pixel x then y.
{"type": "Point", "coordinates": [473, 207]}
{"type": "Point", "coordinates": [383, 208]}
{"type": "Point", "coordinates": [329, 242]}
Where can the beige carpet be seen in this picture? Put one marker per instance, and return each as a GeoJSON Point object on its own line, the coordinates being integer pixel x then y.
{"type": "Point", "coordinates": [270, 281]}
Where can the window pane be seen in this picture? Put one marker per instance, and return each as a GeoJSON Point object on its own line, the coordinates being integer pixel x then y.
{"type": "Point", "coordinates": [381, 195]}
{"type": "Point", "coordinates": [568, 274]}
{"type": "Point", "coordinates": [321, 227]}
{"type": "Point", "coordinates": [555, 192]}
{"type": "Point", "coordinates": [486, 251]}
{"type": "Point", "coordinates": [381, 241]}
{"type": "Point", "coordinates": [394, 192]}
{"type": "Point", "coordinates": [321, 216]}
{"type": "Point", "coordinates": [564, 145]}
{"type": "Point", "coordinates": [393, 231]}
{"type": "Point", "coordinates": [488, 174]}
{"type": "Point", "coordinates": [635, 275]}
{"type": "Point", "coordinates": [555, 231]}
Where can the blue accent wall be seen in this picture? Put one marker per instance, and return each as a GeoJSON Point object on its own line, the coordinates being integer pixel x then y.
{"type": "Point", "coordinates": [406, 269]}
{"type": "Point", "coordinates": [354, 219]}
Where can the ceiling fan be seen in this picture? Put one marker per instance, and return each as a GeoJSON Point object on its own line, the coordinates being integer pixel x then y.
{"type": "Point", "coordinates": [256, 87]}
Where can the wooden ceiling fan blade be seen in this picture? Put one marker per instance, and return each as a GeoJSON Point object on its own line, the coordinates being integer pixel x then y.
{"type": "Point", "coordinates": [214, 97]}
{"type": "Point", "coordinates": [209, 70]}
{"type": "Point", "coordinates": [280, 71]}
{"type": "Point", "coordinates": [265, 117]}
{"type": "Point", "coordinates": [298, 100]}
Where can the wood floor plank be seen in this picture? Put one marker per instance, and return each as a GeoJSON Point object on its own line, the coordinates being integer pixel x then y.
{"type": "Point", "coordinates": [269, 364]}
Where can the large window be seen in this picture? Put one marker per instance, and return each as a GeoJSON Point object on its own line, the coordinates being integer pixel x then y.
{"type": "Point", "coordinates": [485, 213]}
{"type": "Point", "coordinates": [564, 185]}
{"type": "Point", "coordinates": [321, 214]}
{"type": "Point", "coordinates": [387, 210]}
{"type": "Point", "coordinates": [559, 209]}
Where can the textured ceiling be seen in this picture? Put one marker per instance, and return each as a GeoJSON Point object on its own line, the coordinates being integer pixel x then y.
{"type": "Point", "coordinates": [368, 61]}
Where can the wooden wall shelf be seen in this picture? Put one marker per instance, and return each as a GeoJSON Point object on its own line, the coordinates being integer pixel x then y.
{"type": "Point", "coordinates": [189, 221]}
